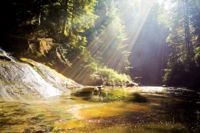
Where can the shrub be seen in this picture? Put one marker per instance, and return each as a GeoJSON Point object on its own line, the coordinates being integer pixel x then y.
{"type": "Point", "coordinates": [107, 76]}
{"type": "Point", "coordinates": [115, 95]}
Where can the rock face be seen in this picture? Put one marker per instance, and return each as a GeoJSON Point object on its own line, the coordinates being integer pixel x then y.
{"type": "Point", "coordinates": [31, 80]}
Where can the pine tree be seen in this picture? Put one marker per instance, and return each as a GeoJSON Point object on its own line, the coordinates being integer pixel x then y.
{"type": "Point", "coordinates": [183, 39]}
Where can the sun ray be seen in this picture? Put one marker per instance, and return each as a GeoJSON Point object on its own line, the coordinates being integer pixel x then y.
{"type": "Point", "coordinates": [137, 15]}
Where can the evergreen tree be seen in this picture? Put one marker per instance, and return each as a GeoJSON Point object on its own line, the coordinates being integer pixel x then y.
{"type": "Point", "coordinates": [182, 68]}
{"type": "Point", "coordinates": [108, 37]}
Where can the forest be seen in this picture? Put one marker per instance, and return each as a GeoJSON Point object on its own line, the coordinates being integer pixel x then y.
{"type": "Point", "coordinates": [100, 40]}
{"type": "Point", "coordinates": [100, 66]}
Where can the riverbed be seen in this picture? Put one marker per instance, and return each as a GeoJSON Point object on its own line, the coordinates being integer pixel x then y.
{"type": "Point", "coordinates": [149, 109]}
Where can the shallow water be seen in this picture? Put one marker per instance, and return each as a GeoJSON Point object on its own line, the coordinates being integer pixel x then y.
{"type": "Point", "coordinates": [161, 112]}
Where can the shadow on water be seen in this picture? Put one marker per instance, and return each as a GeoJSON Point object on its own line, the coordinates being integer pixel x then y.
{"type": "Point", "coordinates": [184, 111]}
{"type": "Point", "coordinates": [138, 98]}
{"type": "Point", "coordinates": [84, 95]}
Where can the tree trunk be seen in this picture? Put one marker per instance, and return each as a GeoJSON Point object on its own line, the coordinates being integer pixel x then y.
{"type": "Point", "coordinates": [188, 41]}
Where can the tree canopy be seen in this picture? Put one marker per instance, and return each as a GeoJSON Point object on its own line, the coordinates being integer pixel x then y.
{"type": "Point", "coordinates": [61, 33]}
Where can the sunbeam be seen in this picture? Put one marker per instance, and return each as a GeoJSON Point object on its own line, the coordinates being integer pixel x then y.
{"type": "Point", "coordinates": [100, 66]}
{"type": "Point", "coordinates": [134, 14]}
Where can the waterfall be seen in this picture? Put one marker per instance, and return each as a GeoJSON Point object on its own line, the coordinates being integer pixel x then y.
{"type": "Point", "coordinates": [20, 80]}
{"type": "Point", "coordinates": [4, 55]}
{"type": "Point", "coordinates": [30, 79]}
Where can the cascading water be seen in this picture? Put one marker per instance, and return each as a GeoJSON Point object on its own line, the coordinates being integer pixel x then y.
{"type": "Point", "coordinates": [4, 55]}
{"type": "Point", "coordinates": [21, 80]}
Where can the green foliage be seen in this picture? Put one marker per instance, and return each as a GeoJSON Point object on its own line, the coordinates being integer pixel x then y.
{"type": "Point", "coordinates": [197, 55]}
{"type": "Point", "coordinates": [73, 19]}
{"type": "Point", "coordinates": [108, 76]}
{"type": "Point", "coordinates": [106, 95]}
{"type": "Point", "coordinates": [74, 27]}
{"type": "Point", "coordinates": [111, 94]}
{"type": "Point", "coordinates": [183, 64]}
{"type": "Point", "coordinates": [115, 95]}
{"type": "Point", "coordinates": [109, 36]}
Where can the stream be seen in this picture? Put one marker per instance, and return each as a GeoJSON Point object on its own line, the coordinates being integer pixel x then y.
{"type": "Point", "coordinates": [164, 110]}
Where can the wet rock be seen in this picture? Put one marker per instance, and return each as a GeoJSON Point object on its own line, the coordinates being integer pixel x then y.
{"type": "Point", "coordinates": [31, 80]}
